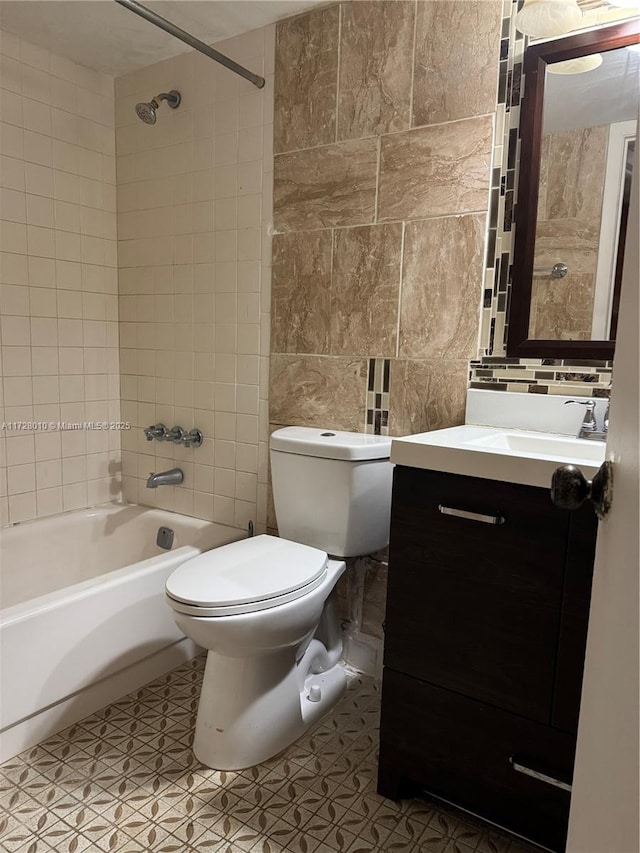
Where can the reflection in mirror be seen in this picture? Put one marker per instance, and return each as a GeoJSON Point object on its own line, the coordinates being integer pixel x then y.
{"type": "Point", "coordinates": [586, 159]}
{"type": "Point", "coordinates": [580, 220]}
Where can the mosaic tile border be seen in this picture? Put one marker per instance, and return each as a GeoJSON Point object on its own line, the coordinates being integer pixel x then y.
{"type": "Point", "coordinates": [541, 376]}
{"type": "Point", "coordinates": [493, 368]}
{"type": "Point", "coordinates": [378, 384]}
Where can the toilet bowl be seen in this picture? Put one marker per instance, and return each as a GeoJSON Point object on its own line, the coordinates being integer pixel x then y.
{"type": "Point", "coordinates": [265, 607]}
{"type": "Point", "coordinates": [266, 678]}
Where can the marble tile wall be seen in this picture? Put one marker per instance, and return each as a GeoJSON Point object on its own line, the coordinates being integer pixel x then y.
{"type": "Point", "coordinates": [572, 169]}
{"type": "Point", "coordinates": [376, 39]}
{"type": "Point", "coordinates": [446, 90]}
{"type": "Point", "coordinates": [58, 285]}
{"type": "Point", "coordinates": [381, 193]}
{"type": "Point", "coordinates": [383, 140]}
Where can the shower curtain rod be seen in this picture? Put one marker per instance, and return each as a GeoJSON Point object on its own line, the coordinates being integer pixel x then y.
{"type": "Point", "coordinates": [192, 41]}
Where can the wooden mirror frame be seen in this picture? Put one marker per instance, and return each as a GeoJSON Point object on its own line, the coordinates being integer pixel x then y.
{"type": "Point", "coordinates": [536, 59]}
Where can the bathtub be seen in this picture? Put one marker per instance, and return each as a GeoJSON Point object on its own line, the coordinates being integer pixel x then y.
{"type": "Point", "coordinates": [83, 618]}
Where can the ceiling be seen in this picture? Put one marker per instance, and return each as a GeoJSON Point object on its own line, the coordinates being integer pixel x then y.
{"type": "Point", "coordinates": [102, 35]}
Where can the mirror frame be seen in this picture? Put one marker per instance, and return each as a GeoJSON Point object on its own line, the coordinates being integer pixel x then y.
{"type": "Point", "coordinates": [536, 59]}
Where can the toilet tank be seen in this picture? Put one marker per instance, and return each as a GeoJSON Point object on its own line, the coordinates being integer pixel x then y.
{"type": "Point", "coordinates": [332, 490]}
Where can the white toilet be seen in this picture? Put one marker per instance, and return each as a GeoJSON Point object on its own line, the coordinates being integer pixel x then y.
{"type": "Point", "coordinates": [264, 608]}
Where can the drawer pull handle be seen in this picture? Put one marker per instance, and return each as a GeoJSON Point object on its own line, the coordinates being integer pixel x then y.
{"type": "Point", "coordinates": [474, 516]}
{"type": "Point", "coordinates": [536, 774]}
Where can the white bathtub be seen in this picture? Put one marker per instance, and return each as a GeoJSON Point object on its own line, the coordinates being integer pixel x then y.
{"type": "Point", "coordinates": [83, 618]}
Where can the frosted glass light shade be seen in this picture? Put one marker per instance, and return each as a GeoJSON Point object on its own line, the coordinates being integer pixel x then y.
{"type": "Point", "coordinates": [544, 18]}
{"type": "Point", "coordinates": [576, 66]}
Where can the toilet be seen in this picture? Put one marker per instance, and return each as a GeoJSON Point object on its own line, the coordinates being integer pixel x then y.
{"type": "Point", "coordinates": [265, 607]}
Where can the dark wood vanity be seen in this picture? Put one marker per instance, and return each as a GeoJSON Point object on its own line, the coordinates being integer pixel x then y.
{"type": "Point", "coordinates": [484, 647]}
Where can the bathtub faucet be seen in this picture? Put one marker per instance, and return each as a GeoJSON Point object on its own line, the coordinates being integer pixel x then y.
{"type": "Point", "coordinates": [165, 478]}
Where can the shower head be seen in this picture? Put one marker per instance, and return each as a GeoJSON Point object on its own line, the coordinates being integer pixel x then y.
{"type": "Point", "coordinates": [146, 111]}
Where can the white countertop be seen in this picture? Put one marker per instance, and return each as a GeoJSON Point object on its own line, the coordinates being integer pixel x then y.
{"type": "Point", "coordinates": [503, 450]}
{"type": "Point", "coordinates": [495, 453]}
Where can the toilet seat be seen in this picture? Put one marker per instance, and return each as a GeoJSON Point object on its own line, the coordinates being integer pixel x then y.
{"type": "Point", "coordinates": [247, 576]}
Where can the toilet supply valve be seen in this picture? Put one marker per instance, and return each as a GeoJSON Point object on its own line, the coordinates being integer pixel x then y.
{"type": "Point", "coordinates": [315, 693]}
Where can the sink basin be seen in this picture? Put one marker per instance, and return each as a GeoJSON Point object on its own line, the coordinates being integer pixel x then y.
{"type": "Point", "coordinates": [496, 453]}
{"type": "Point", "coordinates": [559, 447]}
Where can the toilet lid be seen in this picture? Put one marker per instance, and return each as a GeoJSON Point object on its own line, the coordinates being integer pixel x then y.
{"type": "Point", "coordinates": [249, 571]}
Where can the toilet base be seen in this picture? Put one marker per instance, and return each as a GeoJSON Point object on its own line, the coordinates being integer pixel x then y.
{"type": "Point", "coordinates": [252, 708]}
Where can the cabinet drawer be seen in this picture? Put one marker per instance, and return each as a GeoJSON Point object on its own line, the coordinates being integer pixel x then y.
{"type": "Point", "coordinates": [463, 751]}
{"type": "Point", "coordinates": [473, 606]}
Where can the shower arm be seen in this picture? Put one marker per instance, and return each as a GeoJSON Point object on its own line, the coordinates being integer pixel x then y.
{"type": "Point", "coordinates": [192, 41]}
{"type": "Point", "coordinates": [172, 99]}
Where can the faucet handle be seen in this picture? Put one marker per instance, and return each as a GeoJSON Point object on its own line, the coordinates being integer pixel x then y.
{"type": "Point", "coordinates": [589, 420]}
{"type": "Point", "coordinates": [158, 431]}
{"type": "Point", "coordinates": [193, 438]}
{"type": "Point", "coordinates": [175, 434]}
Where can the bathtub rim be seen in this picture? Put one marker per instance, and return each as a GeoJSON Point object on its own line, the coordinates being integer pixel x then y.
{"type": "Point", "coordinates": [24, 609]}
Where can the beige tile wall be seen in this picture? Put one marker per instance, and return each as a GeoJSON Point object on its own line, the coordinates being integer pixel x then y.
{"type": "Point", "coordinates": [58, 296]}
{"type": "Point", "coordinates": [194, 217]}
{"type": "Point", "coordinates": [383, 135]}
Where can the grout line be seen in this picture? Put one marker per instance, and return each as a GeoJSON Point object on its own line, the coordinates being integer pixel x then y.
{"type": "Point", "coordinates": [402, 244]}
{"type": "Point", "coordinates": [339, 69]}
{"type": "Point", "coordinates": [377, 193]}
{"type": "Point", "coordinates": [413, 62]}
{"type": "Point", "coordinates": [333, 251]}
{"type": "Point", "coordinates": [481, 212]}
{"type": "Point", "coordinates": [378, 135]}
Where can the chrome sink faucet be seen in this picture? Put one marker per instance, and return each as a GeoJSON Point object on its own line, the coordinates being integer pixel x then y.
{"type": "Point", "coordinates": [165, 478]}
{"type": "Point", "coordinates": [589, 427]}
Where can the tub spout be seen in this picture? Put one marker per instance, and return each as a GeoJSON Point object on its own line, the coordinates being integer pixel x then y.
{"type": "Point", "coordinates": [165, 478]}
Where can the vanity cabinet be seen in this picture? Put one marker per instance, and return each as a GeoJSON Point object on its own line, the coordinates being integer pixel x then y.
{"type": "Point", "coordinates": [487, 609]}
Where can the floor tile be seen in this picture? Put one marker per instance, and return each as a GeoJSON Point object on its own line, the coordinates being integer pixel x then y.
{"type": "Point", "coordinates": [125, 780]}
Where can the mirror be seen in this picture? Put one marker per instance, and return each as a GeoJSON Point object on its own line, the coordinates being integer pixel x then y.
{"type": "Point", "coordinates": [578, 132]}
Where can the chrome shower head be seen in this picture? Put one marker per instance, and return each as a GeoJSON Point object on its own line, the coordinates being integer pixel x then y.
{"type": "Point", "coordinates": [146, 111]}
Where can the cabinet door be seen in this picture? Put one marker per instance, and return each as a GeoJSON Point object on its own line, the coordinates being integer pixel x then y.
{"type": "Point", "coordinates": [572, 641]}
{"type": "Point", "coordinates": [471, 606]}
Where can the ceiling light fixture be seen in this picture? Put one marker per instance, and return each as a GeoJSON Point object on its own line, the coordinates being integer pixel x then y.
{"type": "Point", "coordinates": [576, 66]}
{"type": "Point", "coordinates": [546, 18]}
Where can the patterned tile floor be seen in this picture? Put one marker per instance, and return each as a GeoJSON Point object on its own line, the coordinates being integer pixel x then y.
{"type": "Point", "coordinates": [125, 781]}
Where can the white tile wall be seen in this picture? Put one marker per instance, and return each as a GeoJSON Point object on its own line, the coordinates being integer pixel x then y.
{"type": "Point", "coordinates": [194, 221]}
{"type": "Point", "coordinates": [58, 283]}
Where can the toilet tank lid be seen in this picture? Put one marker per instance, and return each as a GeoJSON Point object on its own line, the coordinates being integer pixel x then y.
{"type": "Point", "coordinates": [331, 443]}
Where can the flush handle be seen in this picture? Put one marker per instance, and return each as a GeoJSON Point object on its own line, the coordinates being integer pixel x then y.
{"type": "Point", "coordinates": [472, 516]}
{"type": "Point", "coordinates": [570, 488]}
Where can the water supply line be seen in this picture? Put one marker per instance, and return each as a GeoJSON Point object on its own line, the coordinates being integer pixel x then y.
{"type": "Point", "coordinates": [192, 41]}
